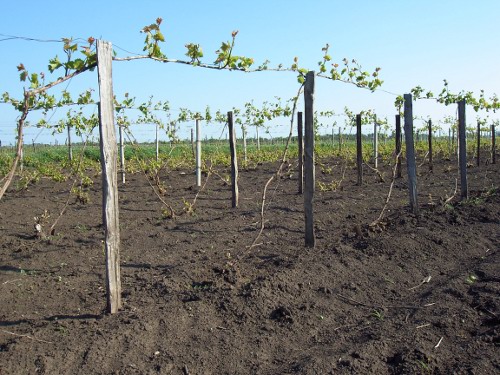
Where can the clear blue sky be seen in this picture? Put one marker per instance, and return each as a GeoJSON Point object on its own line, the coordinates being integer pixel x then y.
{"type": "Point", "coordinates": [415, 42]}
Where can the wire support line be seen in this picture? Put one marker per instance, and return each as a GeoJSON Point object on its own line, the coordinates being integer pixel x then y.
{"type": "Point", "coordinates": [127, 51]}
{"type": "Point", "coordinates": [7, 37]}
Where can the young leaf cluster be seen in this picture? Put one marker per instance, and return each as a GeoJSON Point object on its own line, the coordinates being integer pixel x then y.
{"type": "Point", "coordinates": [446, 97]}
{"type": "Point", "coordinates": [153, 38]}
{"type": "Point", "coordinates": [350, 72]}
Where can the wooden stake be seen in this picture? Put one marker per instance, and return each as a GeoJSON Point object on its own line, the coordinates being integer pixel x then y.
{"type": "Point", "coordinates": [258, 138]}
{"type": "Point", "coordinates": [157, 143]}
{"type": "Point", "coordinates": [193, 148]}
{"type": "Point", "coordinates": [300, 141]}
{"type": "Point", "coordinates": [309, 159]}
{"type": "Point", "coordinates": [340, 139]}
{"type": "Point", "coordinates": [453, 143]}
{"type": "Point", "coordinates": [410, 154]}
{"type": "Point", "coordinates": [244, 133]}
{"type": "Point", "coordinates": [375, 143]}
{"type": "Point", "coordinates": [398, 145]}
{"type": "Point", "coordinates": [462, 150]}
{"type": "Point", "coordinates": [198, 154]}
{"type": "Point", "coordinates": [234, 160]}
{"type": "Point", "coordinates": [70, 148]}
{"type": "Point", "coordinates": [359, 150]}
{"type": "Point", "coordinates": [493, 148]}
{"type": "Point", "coordinates": [122, 153]}
{"type": "Point", "coordinates": [21, 159]}
{"type": "Point", "coordinates": [478, 143]}
{"type": "Point", "coordinates": [109, 178]}
{"type": "Point", "coordinates": [449, 140]}
{"type": "Point", "coordinates": [429, 139]}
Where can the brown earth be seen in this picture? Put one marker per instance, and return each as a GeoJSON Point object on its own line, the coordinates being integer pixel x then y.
{"type": "Point", "coordinates": [197, 301]}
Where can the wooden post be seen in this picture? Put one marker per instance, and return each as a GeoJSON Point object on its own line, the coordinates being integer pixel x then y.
{"type": "Point", "coordinates": [109, 177]}
{"type": "Point", "coordinates": [359, 150]}
{"type": "Point", "coordinates": [122, 153]}
{"type": "Point", "coordinates": [453, 140]}
{"type": "Point", "coordinates": [462, 150]}
{"type": "Point", "coordinates": [70, 148]}
{"type": "Point", "coordinates": [493, 150]}
{"type": "Point", "coordinates": [309, 159]}
{"type": "Point", "coordinates": [340, 139]}
{"type": "Point", "coordinates": [198, 153]}
{"type": "Point", "coordinates": [375, 143]}
{"type": "Point", "coordinates": [234, 160]}
{"type": "Point", "coordinates": [398, 145]}
{"type": "Point", "coordinates": [244, 132]}
{"type": "Point", "coordinates": [410, 154]}
{"type": "Point", "coordinates": [258, 138]}
{"type": "Point", "coordinates": [192, 144]}
{"type": "Point", "coordinates": [478, 143]}
{"type": "Point", "coordinates": [21, 157]}
{"type": "Point", "coordinates": [300, 140]}
{"type": "Point", "coordinates": [429, 138]}
{"type": "Point", "coordinates": [449, 140]}
{"type": "Point", "coordinates": [157, 143]}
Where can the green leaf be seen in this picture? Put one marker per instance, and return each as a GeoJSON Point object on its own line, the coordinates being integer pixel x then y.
{"type": "Point", "coordinates": [54, 64]}
{"type": "Point", "coordinates": [159, 37]}
{"type": "Point", "coordinates": [34, 80]}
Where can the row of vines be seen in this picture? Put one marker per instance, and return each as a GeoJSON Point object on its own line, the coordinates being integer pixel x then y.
{"type": "Point", "coordinates": [111, 111]}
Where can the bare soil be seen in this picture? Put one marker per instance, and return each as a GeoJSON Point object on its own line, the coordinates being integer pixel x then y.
{"type": "Point", "coordinates": [411, 295]}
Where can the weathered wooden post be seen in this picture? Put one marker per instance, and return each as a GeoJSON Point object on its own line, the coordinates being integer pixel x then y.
{"type": "Point", "coordinates": [429, 139]}
{"type": "Point", "coordinates": [453, 140]}
{"type": "Point", "coordinates": [450, 149]}
{"type": "Point", "coordinates": [462, 150]}
{"type": "Point", "coordinates": [258, 138]}
{"type": "Point", "coordinates": [398, 145]}
{"type": "Point", "coordinates": [198, 153]}
{"type": "Point", "coordinates": [300, 140]}
{"type": "Point", "coordinates": [109, 176]}
{"type": "Point", "coordinates": [157, 143]}
{"type": "Point", "coordinates": [410, 154]}
{"type": "Point", "coordinates": [309, 159]}
{"type": "Point", "coordinates": [340, 139]}
{"type": "Point", "coordinates": [122, 153]}
{"type": "Point", "coordinates": [244, 133]}
{"type": "Point", "coordinates": [359, 150]}
{"type": "Point", "coordinates": [70, 146]}
{"type": "Point", "coordinates": [193, 148]}
{"type": "Point", "coordinates": [478, 143]}
{"type": "Point", "coordinates": [21, 157]}
{"type": "Point", "coordinates": [375, 142]}
{"type": "Point", "coordinates": [493, 148]}
{"type": "Point", "coordinates": [234, 160]}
